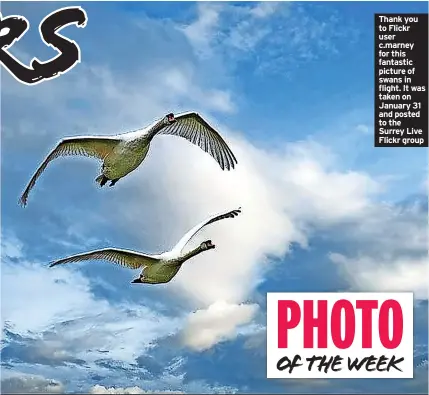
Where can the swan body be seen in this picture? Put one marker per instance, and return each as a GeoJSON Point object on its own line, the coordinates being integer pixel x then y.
{"type": "Point", "coordinates": [123, 153]}
{"type": "Point", "coordinates": [157, 268]}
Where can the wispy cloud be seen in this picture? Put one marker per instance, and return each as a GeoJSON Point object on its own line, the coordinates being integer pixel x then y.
{"type": "Point", "coordinates": [369, 273]}
{"type": "Point", "coordinates": [277, 36]}
{"type": "Point", "coordinates": [390, 250]}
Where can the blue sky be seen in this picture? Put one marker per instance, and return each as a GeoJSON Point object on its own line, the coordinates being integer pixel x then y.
{"type": "Point", "coordinates": [290, 86]}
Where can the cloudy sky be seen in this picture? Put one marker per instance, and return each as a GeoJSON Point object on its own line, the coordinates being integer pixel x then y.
{"type": "Point", "coordinates": [290, 86]}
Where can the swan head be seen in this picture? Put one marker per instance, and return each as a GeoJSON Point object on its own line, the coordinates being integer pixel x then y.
{"type": "Point", "coordinates": [207, 245]}
{"type": "Point", "coordinates": [169, 119]}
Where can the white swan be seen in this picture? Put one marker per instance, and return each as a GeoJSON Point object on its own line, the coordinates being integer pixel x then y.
{"type": "Point", "coordinates": [123, 153]}
{"type": "Point", "coordinates": [156, 269]}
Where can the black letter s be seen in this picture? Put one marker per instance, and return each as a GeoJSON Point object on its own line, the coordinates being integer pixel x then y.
{"type": "Point", "coordinates": [69, 51]}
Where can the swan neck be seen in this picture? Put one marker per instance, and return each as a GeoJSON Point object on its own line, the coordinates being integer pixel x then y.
{"type": "Point", "coordinates": [192, 253]}
{"type": "Point", "coordinates": [158, 126]}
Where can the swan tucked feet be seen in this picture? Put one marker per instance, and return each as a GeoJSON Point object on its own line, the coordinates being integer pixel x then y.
{"type": "Point", "coordinates": [101, 179]}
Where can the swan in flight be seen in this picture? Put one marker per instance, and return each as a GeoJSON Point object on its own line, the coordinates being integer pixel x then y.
{"type": "Point", "coordinates": [123, 153]}
{"type": "Point", "coordinates": [156, 269]}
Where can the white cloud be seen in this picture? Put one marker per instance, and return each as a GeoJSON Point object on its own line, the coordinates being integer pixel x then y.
{"type": "Point", "coordinates": [201, 31]}
{"type": "Point", "coordinates": [393, 229]}
{"type": "Point", "coordinates": [166, 384]}
{"type": "Point", "coordinates": [389, 249]}
{"type": "Point", "coordinates": [219, 322]}
{"type": "Point", "coordinates": [99, 389]}
{"type": "Point", "coordinates": [265, 8]}
{"type": "Point", "coordinates": [180, 83]}
{"type": "Point", "coordinates": [72, 296]}
{"type": "Point", "coordinates": [389, 275]}
{"type": "Point", "coordinates": [118, 102]}
{"type": "Point", "coordinates": [10, 246]}
{"type": "Point", "coordinates": [26, 384]}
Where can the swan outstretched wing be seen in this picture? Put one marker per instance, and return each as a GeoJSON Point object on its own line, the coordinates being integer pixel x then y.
{"type": "Point", "coordinates": [217, 217]}
{"type": "Point", "coordinates": [92, 146]}
{"type": "Point", "coordinates": [130, 259]}
{"type": "Point", "coordinates": [195, 129]}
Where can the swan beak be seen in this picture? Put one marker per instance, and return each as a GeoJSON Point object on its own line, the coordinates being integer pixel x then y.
{"type": "Point", "coordinates": [136, 280]}
{"type": "Point", "coordinates": [210, 245]}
